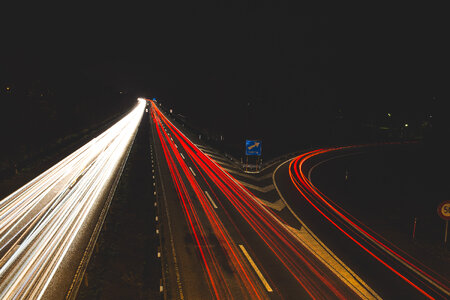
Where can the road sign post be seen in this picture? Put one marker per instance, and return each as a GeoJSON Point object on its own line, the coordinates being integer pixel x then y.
{"type": "Point", "coordinates": [446, 231]}
{"type": "Point", "coordinates": [444, 212]}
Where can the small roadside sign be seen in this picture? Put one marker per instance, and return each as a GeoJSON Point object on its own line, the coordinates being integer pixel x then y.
{"type": "Point", "coordinates": [252, 147]}
{"type": "Point", "coordinates": [444, 210]}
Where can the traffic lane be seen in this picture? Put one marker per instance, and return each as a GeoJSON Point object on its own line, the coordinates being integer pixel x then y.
{"type": "Point", "coordinates": [266, 240]}
{"type": "Point", "coordinates": [184, 273]}
{"type": "Point", "coordinates": [65, 274]}
{"type": "Point", "coordinates": [238, 237]}
{"type": "Point", "coordinates": [78, 254]}
{"type": "Point", "coordinates": [212, 243]}
{"type": "Point", "coordinates": [407, 190]}
{"type": "Point", "coordinates": [290, 287]}
{"type": "Point", "coordinates": [368, 207]}
{"type": "Point", "coordinates": [23, 208]}
{"type": "Point", "coordinates": [67, 262]}
{"type": "Point", "coordinates": [20, 209]}
{"type": "Point", "coordinates": [49, 241]}
{"type": "Point", "coordinates": [242, 234]}
{"type": "Point", "coordinates": [278, 277]}
{"type": "Point", "coordinates": [384, 282]}
{"type": "Point", "coordinates": [277, 273]}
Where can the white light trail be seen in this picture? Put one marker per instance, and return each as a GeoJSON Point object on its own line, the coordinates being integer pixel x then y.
{"type": "Point", "coordinates": [40, 222]}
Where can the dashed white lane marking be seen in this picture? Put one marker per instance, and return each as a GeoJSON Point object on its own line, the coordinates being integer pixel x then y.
{"type": "Point", "coordinates": [193, 173]}
{"type": "Point", "coordinates": [252, 263]}
{"type": "Point", "coordinates": [182, 155]}
{"type": "Point", "coordinates": [210, 199]}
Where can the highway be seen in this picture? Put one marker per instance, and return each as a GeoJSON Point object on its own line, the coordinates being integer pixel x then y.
{"type": "Point", "coordinates": [220, 241]}
{"type": "Point", "coordinates": [48, 227]}
{"type": "Point", "coordinates": [390, 271]}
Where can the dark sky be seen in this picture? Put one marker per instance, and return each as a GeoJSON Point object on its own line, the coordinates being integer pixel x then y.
{"type": "Point", "coordinates": [222, 64]}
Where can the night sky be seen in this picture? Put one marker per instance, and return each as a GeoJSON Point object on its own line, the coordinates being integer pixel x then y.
{"type": "Point", "coordinates": [255, 69]}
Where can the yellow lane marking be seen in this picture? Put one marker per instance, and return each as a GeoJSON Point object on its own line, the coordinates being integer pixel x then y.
{"type": "Point", "coordinates": [252, 263]}
{"type": "Point", "coordinates": [325, 255]}
{"type": "Point", "coordinates": [210, 199]}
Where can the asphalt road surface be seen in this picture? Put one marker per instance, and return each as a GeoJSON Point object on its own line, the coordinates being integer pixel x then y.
{"type": "Point", "coordinates": [219, 241]}
{"type": "Point", "coordinates": [47, 225]}
{"type": "Point", "coordinates": [392, 273]}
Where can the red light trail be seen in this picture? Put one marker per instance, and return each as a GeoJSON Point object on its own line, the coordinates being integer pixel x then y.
{"type": "Point", "coordinates": [316, 279]}
{"type": "Point", "coordinates": [360, 234]}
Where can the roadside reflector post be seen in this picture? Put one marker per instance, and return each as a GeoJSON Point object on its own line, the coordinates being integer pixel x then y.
{"type": "Point", "coordinates": [446, 231]}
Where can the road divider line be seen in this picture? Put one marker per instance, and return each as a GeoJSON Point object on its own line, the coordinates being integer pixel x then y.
{"type": "Point", "coordinates": [255, 267]}
{"type": "Point", "coordinates": [193, 173]}
{"type": "Point", "coordinates": [210, 199]}
{"type": "Point", "coordinates": [325, 255]}
{"type": "Point", "coordinates": [182, 155]}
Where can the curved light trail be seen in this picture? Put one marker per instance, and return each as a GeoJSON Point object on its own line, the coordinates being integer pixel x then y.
{"type": "Point", "coordinates": [317, 280]}
{"type": "Point", "coordinates": [418, 276]}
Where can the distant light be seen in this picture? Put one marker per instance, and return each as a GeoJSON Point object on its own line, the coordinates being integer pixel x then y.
{"type": "Point", "coordinates": [141, 99]}
{"type": "Point", "coordinates": [8, 88]}
{"type": "Point", "coordinates": [406, 124]}
{"type": "Point", "coordinates": [389, 114]}
{"type": "Point", "coordinates": [430, 116]}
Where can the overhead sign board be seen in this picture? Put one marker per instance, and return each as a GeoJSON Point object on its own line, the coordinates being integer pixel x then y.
{"type": "Point", "coordinates": [444, 210]}
{"type": "Point", "coordinates": [252, 147]}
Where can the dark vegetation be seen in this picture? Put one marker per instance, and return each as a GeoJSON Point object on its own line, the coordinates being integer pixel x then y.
{"type": "Point", "coordinates": [42, 115]}
{"type": "Point", "coordinates": [125, 264]}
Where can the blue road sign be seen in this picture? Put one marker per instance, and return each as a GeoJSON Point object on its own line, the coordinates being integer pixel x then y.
{"type": "Point", "coordinates": [252, 147]}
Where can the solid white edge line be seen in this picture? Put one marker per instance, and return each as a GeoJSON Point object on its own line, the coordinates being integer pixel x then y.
{"type": "Point", "coordinates": [255, 267]}
{"type": "Point", "coordinates": [210, 199]}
